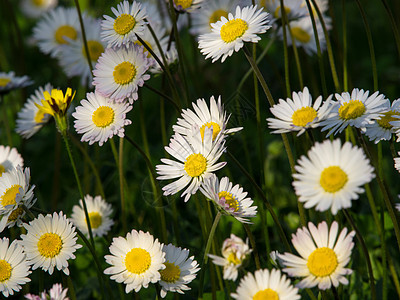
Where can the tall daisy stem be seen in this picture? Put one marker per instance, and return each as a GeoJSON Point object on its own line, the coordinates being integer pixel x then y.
{"type": "Point", "coordinates": [121, 182]}
{"type": "Point", "coordinates": [365, 251]}
{"type": "Point", "coordinates": [253, 245]}
{"type": "Point", "coordinates": [205, 256]}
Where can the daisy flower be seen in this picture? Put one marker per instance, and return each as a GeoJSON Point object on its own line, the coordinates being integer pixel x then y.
{"type": "Point", "coordinates": [397, 162]}
{"type": "Point", "coordinates": [30, 118]}
{"type": "Point", "coordinates": [50, 242]}
{"type": "Point", "coordinates": [356, 109]}
{"type": "Point", "coordinates": [136, 260]}
{"type": "Point", "coordinates": [35, 8]}
{"type": "Point", "coordinates": [57, 292]}
{"type": "Point", "coordinates": [210, 13]}
{"type": "Point", "coordinates": [14, 267]}
{"type": "Point", "coordinates": [57, 27]}
{"type": "Point", "coordinates": [299, 113]}
{"type": "Point", "coordinates": [73, 57]}
{"type": "Point", "coordinates": [229, 34]}
{"type": "Point", "coordinates": [119, 73]}
{"type": "Point", "coordinates": [99, 215]}
{"type": "Point", "coordinates": [387, 124]}
{"type": "Point", "coordinates": [234, 252]}
{"type": "Point", "coordinates": [293, 8]}
{"type": "Point", "coordinates": [9, 159]}
{"type": "Point", "coordinates": [99, 118]}
{"type": "Point", "coordinates": [265, 284]}
{"type": "Point", "coordinates": [323, 256]}
{"type": "Point", "coordinates": [186, 5]}
{"type": "Point", "coordinates": [180, 270]}
{"type": "Point", "coordinates": [197, 160]}
{"type": "Point", "coordinates": [229, 199]}
{"type": "Point", "coordinates": [204, 117]}
{"type": "Point", "coordinates": [332, 175]}
{"type": "Point", "coordinates": [129, 21]}
{"type": "Point", "coordinates": [9, 82]}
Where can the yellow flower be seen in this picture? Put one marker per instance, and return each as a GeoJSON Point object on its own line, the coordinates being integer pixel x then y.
{"type": "Point", "coordinates": [56, 103]}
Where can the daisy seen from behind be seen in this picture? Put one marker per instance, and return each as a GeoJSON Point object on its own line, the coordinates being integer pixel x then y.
{"type": "Point", "coordinates": [99, 118]}
{"type": "Point", "coordinates": [229, 198]}
{"type": "Point", "coordinates": [229, 34]}
{"type": "Point", "coordinates": [356, 109]}
{"type": "Point", "coordinates": [9, 82]}
{"type": "Point", "coordinates": [31, 118]}
{"type": "Point", "coordinates": [298, 113]}
{"type": "Point", "coordinates": [15, 191]}
{"type": "Point", "coordinates": [323, 256]}
{"type": "Point", "coordinates": [14, 269]}
{"type": "Point", "coordinates": [9, 159]}
{"type": "Point", "coordinates": [135, 260]}
{"type": "Point", "coordinates": [234, 253]}
{"type": "Point", "coordinates": [197, 159]}
{"type": "Point", "coordinates": [120, 72]}
{"type": "Point", "coordinates": [265, 284]}
{"type": "Point", "coordinates": [389, 123]}
{"type": "Point", "coordinates": [56, 28]}
{"type": "Point", "coordinates": [331, 175]}
{"type": "Point", "coordinates": [99, 215]}
{"type": "Point", "coordinates": [180, 270]}
{"type": "Point", "coordinates": [50, 242]}
{"type": "Point", "coordinates": [129, 21]}
{"type": "Point", "coordinates": [203, 116]}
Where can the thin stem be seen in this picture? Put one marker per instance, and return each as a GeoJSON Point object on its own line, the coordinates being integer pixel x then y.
{"type": "Point", "coordinates": [6, 122]}
{"type": "Point", "coordinates": [285, 48]}
{"type": "Point", "coordinates": [205, 256]}
{"type": "Point", "coordinates": [121, 182]}
{"type": "Point", "coordinates": [344, 29]}
{"type": "Point", "coordinates": [393, 270]}
{"type": "Point", "coordinates": [71, 289]}
{"type": "Point", "coordinates": [364, 250]}
{"type": "Point", "coordinates": [87, 52]}
{"type": "Point", "coordinates": [393, 24]}
{"type": "Point", "coordinates": [163, 96]}
{"type": "Point", "coordinates": [253, 245]}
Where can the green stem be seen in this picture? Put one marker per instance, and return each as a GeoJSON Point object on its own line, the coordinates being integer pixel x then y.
{"type": "Point", "coordinates": [393, 24]}
{"type": "Point", "coordinates": [344, 29]}
{"type": "Point", "coordinates": [205, 256]}
{"type": "Point", "coordinates": [365, 251]}
{"type": "Point", "coordinates": [71, 289]}
{"type": "Point", "coordinates": [253, 245]}
{"type": "Point", "coordinates": [6, 122]}
{"type": "Point", "coordinates": [121, 182]}
{"type": "Point", "coordinates": [170, 100]}
{"type": "Point", "coordinates": [87, 52]}
{"type": "Point", "coordinates": [393, 270]}
{"type": "Point", "coordinates": [285, 48]}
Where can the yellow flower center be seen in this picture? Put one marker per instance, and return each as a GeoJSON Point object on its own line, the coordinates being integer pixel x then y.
{"type": "Point", "coordinates": [10, 194]}
{"type": "Point", "coordinates": [388, 117]}
{"type": "Point", "coordinates": [50, 245]}
{"type": "Point", "coordinates": [4, 81]}
{"type": "Point", "coordinates": [217, 15]}
{"type": "Point", "coordinates": [65, 31]}
{"type": "Point", "coordinates": [322, 262]}
{"type": "Point", "coordinates": [195, 165]}
{"type": "Point", "coordinates": [137, 261]}
{"type": "Point", "coordinates": [95, 50]}
{"type": "Point", "coordinates": [103, 116]}
{"type": "Point", "coordinates": [124, 24]}
{"type": "Point", "coordinates": [277, 13]}
{"type": "Point", "coordinates": [38, 2]}
{"type": "Point", "coordinates": [229, 199]}
{"type": "Point", "coordinates": [351, 110]}
{"type": "Point", "coordinates": [2, 170]}
{"type": "Point", "coordinates": [95, 219]}
{"type": "Point", "coordinates": [300, 34]}
{"type": "Point", "coordinates": [233, 29]}
{"type": "Point", "coordinates": [215, 126]}
{"type": "Point", "coordinates": [39, 116]}
{"type": "Point", "coordinates": [184, 3]}
{"type": "Point", "coordinates": [232, 258]}
{"type": "Point", "coordinates": [15, 214]}
{"type": "Point", "coordinates": [124, 73]}
{"type": "Point", "coordinates": [5, 270]}
{"type": "Point", "coordinates": [171, 273]}
{"type": "Point", "coordinates": [333, 179]}
{"type": "Point", "coordinates": [303, 116]}
{"type": "Point", "coordinates": [266, 294]}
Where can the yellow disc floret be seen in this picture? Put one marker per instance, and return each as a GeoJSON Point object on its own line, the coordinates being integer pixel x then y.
{"type": "Point", "coordinates": [137, 261]}
{"type": "Point", "coordinates": [303, 116]}
{"type": "Point", "coordinates": [217, 15]}
{"type": "Point", "coordinates": [266, 294]}
{"type": "Point", "coordinates": [333, 179]}
{"type": "Point", "coordinates": [50, 245]}
{"type": "Point", "coordinates": [95, 219]}
{"type": "Point", "coordinates": [351, 110]}
{"type": "Point", "coordinates": [300, 35]}
{"type": "Point", "coordinates": [232, 258]}
{"type": "Point", "coordinates": [124, 24]}
{"type": "Point", "coordinates": [183, 3]}
{"type": "Point", "coordinates": [388, 117]}
{"type": "Point", "coordinates": [65, 31]}
{"type": "Point", "coordinates": [95, 50]}
{"type": "Point", "coordinates": [124, 73]}
{"type": "Point", "coordinates": [195, 165]}
{"type": "Point", "coordinates": [215, 126]}
{"type": "Point", "coordinates": [233, 29]}
{"type": "Point", "coordinates": [229, 199]}
{"type": "Point", "coordinates": [5, 270]}
{"type": "Point", "coordinates": [322, 262]}
{"type": "Point", "coordinates": [15, 214]}
{"type": "Point", "coordinates": [2, 169]}
{"type": "Point", "coordinates": [8, 198]}
{"type": "Point", "coordinates": [103, 116]}
{"type": "Point", "coordinates": [171, 273]}
{"type": "Point", "coordinates": [38, 2]}
{"type": "Point", "coordinates": [4, 81]}
{"type": "Point", "coordinates": [56, 103]}
{"type": "Point", "coordinates": [277, 13]}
